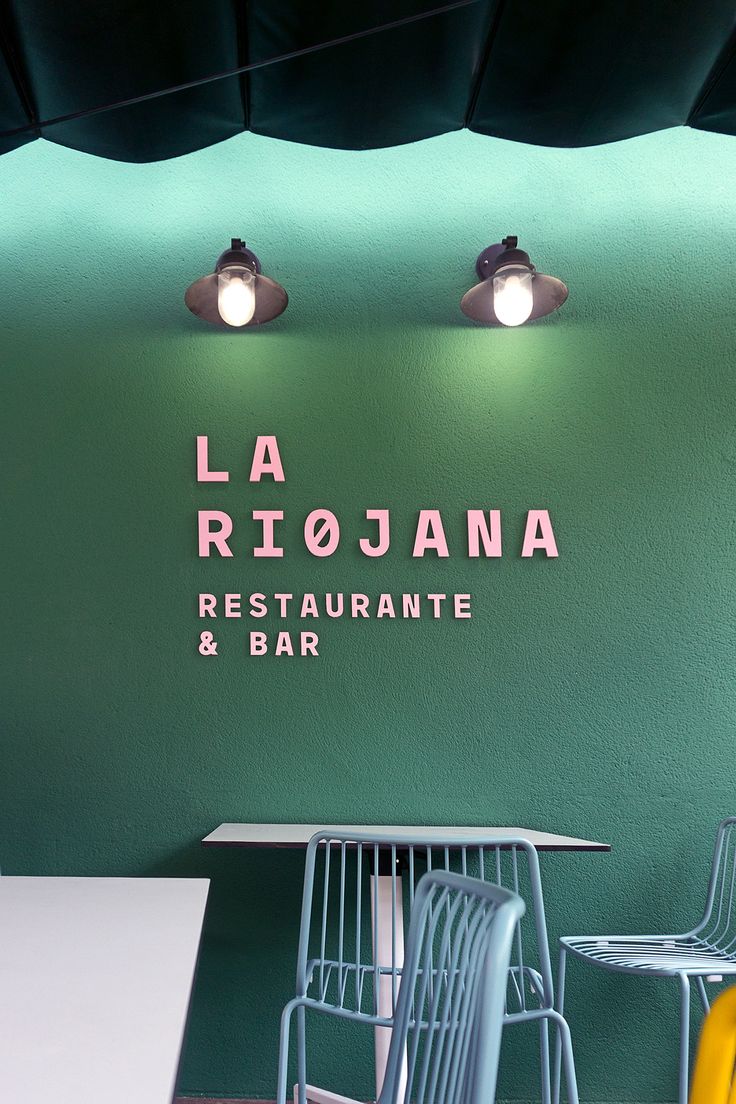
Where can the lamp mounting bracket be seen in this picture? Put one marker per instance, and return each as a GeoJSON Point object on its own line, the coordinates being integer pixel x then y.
{"type": "Point", "coordinates": [238, 253]}
{"type": "Point", "coordinates": [487, 262]}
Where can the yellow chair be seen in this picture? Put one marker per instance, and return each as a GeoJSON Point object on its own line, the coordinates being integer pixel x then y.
{"type": "Point", "coordinates": [713, 1079]}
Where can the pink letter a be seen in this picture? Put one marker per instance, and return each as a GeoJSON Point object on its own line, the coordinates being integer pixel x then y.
{"type": "Point", "coordinates": [539, 519]}
{"type": "Point", "coordinates": [266, 461]}
{"type": "Point", "coordinates": [430, 534]}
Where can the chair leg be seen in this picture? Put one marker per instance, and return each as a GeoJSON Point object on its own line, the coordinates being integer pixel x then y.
{"type": "Point", "coordinates": [560, 1006]}
{"type": "Point", "coordinates": [684, 1038]}
{"type": "Point", "coordinates": [545, 1064]}
{"type": "Point", "coordinates": [283, 1072]}
{"type": "Point", "coordinates": [703, 994]}
{"type": "Point", "coordinates": [564, 1041]}
{"type": "Point", "coordinates": [301, 1054]}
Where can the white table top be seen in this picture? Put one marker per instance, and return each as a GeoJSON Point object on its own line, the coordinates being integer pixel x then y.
{"type": "Point", "coordinates": [95, 979]}
{"type": "Point", "coordinates": [298, 835]}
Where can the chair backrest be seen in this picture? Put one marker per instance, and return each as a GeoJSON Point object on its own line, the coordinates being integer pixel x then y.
{"type": "Point", "coordinates": [715, 1065]}
{"type": "Point", "coordinates": [450, 1008]}
{"type": "Point", "coordinates": [347, 961]}
{"type": "Point", "coordinates": [718, 926]}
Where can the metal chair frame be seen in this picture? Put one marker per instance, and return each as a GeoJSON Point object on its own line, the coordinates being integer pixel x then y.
{"type": "Point", "coordinates": [707, 951]}
{"type": "Point", "coordinates": [448, 1016]}
{"type": "Point", "coordinates": [363, 986]}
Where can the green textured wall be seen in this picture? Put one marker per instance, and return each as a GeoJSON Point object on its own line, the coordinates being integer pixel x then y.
{"type": "Point", "coordinates": [592, 695]}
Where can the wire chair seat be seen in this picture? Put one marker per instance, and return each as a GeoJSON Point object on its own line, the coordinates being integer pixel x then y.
{"type": "Point", "coordinates": [350, 987]}
{"type": "Point", "coordinates": [661, 956]}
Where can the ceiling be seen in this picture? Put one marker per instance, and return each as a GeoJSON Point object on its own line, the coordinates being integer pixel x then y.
{"type": "Point", "coordinates": [550, 72]}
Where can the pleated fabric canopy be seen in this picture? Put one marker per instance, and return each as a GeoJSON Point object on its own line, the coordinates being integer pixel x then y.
{"type": "Point", "coordinates": [553, 72]}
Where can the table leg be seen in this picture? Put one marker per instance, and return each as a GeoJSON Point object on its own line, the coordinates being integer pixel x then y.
{"type": "Point", "coordinates": [388, 946]}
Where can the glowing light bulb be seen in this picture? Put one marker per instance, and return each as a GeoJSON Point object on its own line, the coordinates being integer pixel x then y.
{"type": "Point", "coordinates": [513, 297]}
{"type": "Point", "coordinates": [236, 295]}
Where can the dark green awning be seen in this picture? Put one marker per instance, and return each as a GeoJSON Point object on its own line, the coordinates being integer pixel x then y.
{"type": "Point", "coordinates": [553, 72]}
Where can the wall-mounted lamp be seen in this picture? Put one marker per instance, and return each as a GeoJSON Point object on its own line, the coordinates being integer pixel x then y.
{"type": "Point", "coordinates": [511, 290]}
{"type": "Point", "coordinates": [236, 294]}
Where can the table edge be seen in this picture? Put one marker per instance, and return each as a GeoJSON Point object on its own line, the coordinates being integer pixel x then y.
{"type": "Point", "coordinates": [261, 846]}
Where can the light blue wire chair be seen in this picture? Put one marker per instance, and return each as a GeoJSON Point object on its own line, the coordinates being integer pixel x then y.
{"type": "Point", "coordinates": [350, 955]}
{"type": "Point", "coordinates": [707, 952]}
{"type": "Point", "coordinates": [448, 1016]}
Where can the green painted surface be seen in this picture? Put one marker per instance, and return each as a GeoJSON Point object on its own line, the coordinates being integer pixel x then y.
{"type": "Point", "coordinates": [592, 695]}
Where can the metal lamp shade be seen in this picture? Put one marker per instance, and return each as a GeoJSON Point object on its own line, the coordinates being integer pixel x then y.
{"type": "Point", "coordinates": [549, 294]}
{"type": "Point", "coordinates": [271, 301]}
